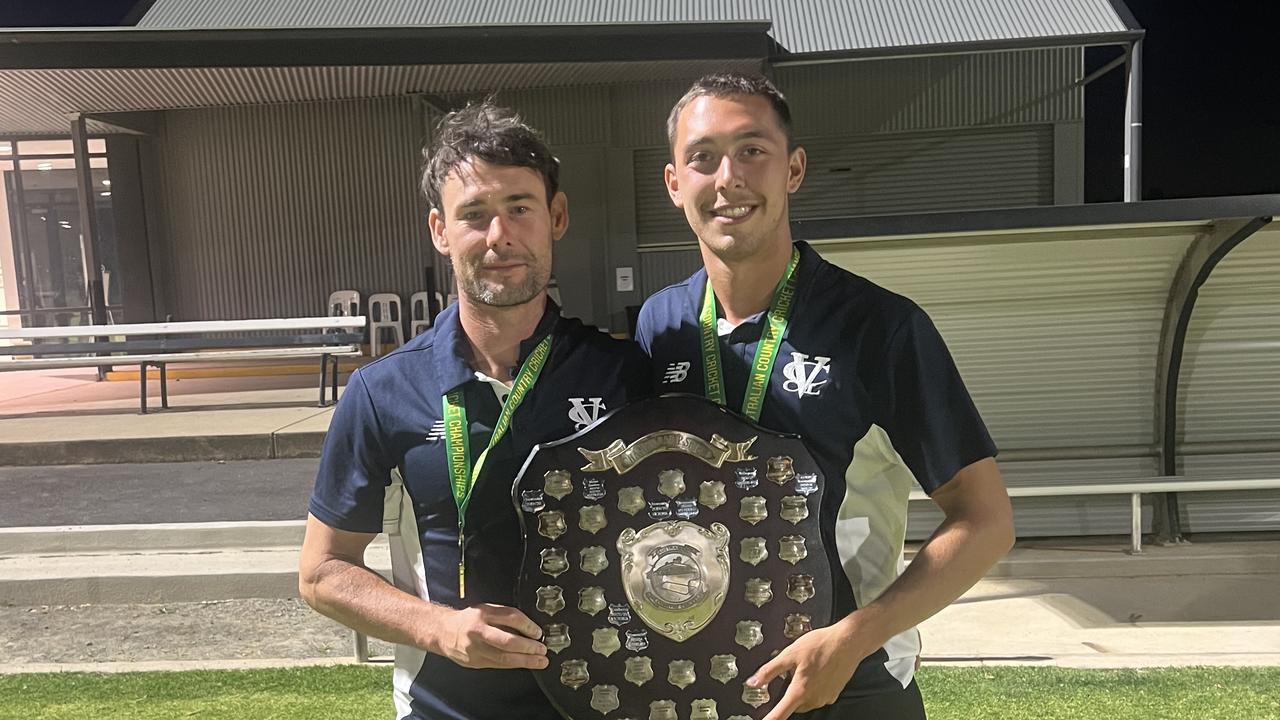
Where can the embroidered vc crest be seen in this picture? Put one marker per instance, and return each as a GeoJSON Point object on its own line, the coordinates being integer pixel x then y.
{"type": "Point", "coordinates": [584, 411]}
{"type": "Point", "coordinates": [803, 375]}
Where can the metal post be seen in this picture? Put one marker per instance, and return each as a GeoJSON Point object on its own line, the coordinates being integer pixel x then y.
{"type": "Point", "coordinates": [1135, 519]}
{"type": "Point", "coordinates": [89, 231]}
{"type": "Point", "coordinates": [1133, 124]}
{"type": "Point", "coordinates": [360, 643]}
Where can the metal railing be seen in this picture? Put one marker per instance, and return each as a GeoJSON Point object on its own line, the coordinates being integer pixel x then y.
{"type": "Point", "coordinates": [1135, 489]}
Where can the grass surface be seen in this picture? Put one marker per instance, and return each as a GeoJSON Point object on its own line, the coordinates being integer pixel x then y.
{"type": "Point", "coordinates": [359, 693]}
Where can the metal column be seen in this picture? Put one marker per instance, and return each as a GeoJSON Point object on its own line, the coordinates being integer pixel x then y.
{"type": "Point", "coordinates": [1133, 124]}
{"type": "Point", "coordinates": [88, 223]}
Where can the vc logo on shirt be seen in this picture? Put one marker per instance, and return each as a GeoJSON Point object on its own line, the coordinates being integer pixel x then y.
{"type": "Point", "coordinates": [802, 375]}
{"type": "Point", "coordinates": [584, 411]}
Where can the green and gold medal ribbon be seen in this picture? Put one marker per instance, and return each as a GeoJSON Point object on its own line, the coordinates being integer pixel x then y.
{"type": "Point", "coordinates": [766, 350]}
{"type": "Point", "coordinates": [462, 476]}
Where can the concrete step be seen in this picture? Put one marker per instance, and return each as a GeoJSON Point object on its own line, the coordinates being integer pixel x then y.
{"type": "Point", "coordinates": [159, 575]}
{"type": "Point", "coordinates": [127, 538]}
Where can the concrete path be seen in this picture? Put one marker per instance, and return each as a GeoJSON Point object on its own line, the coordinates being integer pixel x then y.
{"type": "Point", "coordinates": [66, 417]}
{"type": "Point", "coordinates": [156, 492]}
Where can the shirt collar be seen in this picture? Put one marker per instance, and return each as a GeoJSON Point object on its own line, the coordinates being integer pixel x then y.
{"type": "Point", "coordinates": [453, 369]}
{"type": "Point", "coordinates": [805, 268]}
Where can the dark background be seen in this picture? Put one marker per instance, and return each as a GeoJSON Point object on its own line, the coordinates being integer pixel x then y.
{"type": "Point", "coordinates": [1211, 101]}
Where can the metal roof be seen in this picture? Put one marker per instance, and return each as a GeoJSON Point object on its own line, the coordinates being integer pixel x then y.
{"type": "Point", "coordinates": [38, 101]}
{"type": "Point", "coordinates": [799, 26]}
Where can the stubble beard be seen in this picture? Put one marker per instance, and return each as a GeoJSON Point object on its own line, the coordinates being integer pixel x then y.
{"type": "Point", "coordinates": [483, 292]}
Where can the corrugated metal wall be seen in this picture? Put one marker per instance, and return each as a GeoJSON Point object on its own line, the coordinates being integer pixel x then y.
{"type": "Point", "coordinates": [1025, 87]}
{"type": "Point", "coordinates": [1230, 385]}
{"type": "Point", "coordinates": [884, 174]}
{"type": "Point", "coordinates": [270, 208]}
{"type": "Point", "coordinates": [1056, 340]}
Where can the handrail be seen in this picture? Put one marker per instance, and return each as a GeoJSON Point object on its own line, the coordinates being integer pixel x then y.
{"type": "Point", "coordinates": [190, 326]}
{"type": "Point", "coordinates": [1135, 490]}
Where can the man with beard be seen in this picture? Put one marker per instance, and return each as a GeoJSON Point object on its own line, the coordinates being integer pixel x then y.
{"type": "Point", "coordinates": [862, 375]}
{"type": "Point", "coordinates": [427, 441]}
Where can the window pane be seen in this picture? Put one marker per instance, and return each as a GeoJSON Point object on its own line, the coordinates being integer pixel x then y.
{"type": "Point", "coordinates": [6, 147]}
{"type": "Point", "coordinates": [97, 145]}
{"type": "Point", "coordinates": [45, 147]}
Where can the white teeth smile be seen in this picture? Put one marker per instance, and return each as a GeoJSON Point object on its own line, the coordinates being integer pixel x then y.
{"type": "Point", "coordinates": [735, 211]}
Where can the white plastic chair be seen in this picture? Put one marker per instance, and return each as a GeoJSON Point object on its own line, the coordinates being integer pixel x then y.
{"type": "Point", "coordinates": [384, 314]}
{"type": "Point", "coordinates": [343, 303]}
{"type": "Point", "coordinates": [419, 313]}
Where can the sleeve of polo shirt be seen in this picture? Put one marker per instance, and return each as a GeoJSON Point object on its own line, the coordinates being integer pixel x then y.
{"type": "Point", "coordinates": [929, 416]}
{"type": "Point", "coordinates": [354, 469]}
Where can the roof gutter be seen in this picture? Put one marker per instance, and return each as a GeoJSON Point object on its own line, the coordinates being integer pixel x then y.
{"type": "Point", "coordinates": [450, 45]}
{"type": "Point", "coordinates": [1124, 37]}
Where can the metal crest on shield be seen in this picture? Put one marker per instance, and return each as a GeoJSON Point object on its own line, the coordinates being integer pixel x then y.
{"type": "Point", "coordinates": [675, 575]}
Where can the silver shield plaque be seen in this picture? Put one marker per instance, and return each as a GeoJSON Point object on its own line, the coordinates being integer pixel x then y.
{"type": "Point", "coordinates": [678, 537]}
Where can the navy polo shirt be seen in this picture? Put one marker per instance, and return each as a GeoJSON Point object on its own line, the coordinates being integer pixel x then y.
{"type": "Point", "coordinates": [864, 377]}
{"type": "Point", "coordinates": [390, 420]}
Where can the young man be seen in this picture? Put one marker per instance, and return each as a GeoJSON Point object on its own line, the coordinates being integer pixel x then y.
{"type": "Point", "coordinates": [861, 375]}
{"type": "Point", "coordinates": [437, 431]}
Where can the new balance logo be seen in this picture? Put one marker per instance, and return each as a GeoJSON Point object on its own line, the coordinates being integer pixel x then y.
{"type": "Point", "coordinates": [584, 411]}
{"type": "Point", "coordinates": [676, 372]}
{"type": "Point", "coordinates": [802, 375]}
{"type": "Point", "coordinates": [436, 433]}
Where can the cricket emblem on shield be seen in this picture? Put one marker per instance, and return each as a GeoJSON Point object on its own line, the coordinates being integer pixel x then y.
{"type": "Point", "coordinates": [676, 543]}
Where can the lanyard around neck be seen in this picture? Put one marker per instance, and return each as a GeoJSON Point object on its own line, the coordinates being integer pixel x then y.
{"type": "Point", "coordinates": [457, 440]}
{"type": "Point", "coordinates": [766, 351]}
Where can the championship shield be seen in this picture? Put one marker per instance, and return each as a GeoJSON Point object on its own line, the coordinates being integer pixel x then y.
{"type": "Point", "coordinates": [671, 549]}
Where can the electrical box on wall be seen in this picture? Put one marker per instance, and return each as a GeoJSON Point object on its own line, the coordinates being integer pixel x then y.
{"type": "Point", "coordinates": [625, 279]}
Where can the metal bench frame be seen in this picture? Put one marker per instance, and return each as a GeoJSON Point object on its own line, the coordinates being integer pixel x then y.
{"type": "Point", "coordinates": [335, 337]}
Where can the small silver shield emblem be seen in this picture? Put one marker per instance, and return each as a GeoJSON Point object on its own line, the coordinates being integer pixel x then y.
{"type": "Point", "coordinates": [594, 560]}
{"type": "Point", "coordinates": [748, 634]}
{"type": "Point", "coordinates": [591, 518]}
{"type": "Point", "coordinates": [759, 591]}
{"type": "Point", "coordinates": [671, 483]}
{"type": "Point", "coordinates": [704, 710]}
{"type": "Point", "coordinates": [605, 641]}
{"type": "Point", "coordinates": [755, 697]}
{"type": "Point", "coordinates": [753, 551]}
{"type": "Point", "coordinates": [550, 599]}
{"type": "Point", "coordinates": [554, 561]}
{"type": "Point", "coordinates": [631, 500]}
{"type": "Point", "coordinates": [557, 483]}
{"type": "Point", "coordinates": [800, 587]}
{"type": "Point", "coordinates": [680, 673]}
{"type": "Point", "coordinates": [591, 600]}
{"type": "Point", "coordinates": [711, 494]}
{"type": "Point", "coordinates": [556, 637]}
{"type": "Point", "coordinates": [792, 549]}
{"type": "Point", "coordinates": [637, 640]}
{"type": "Point", "coordinates": [724, 668]}
{"type": "Point", "coordinates": [752, 509]}
{"type": "Point", "coordinates": [551, 524]}
{"type": "Point", "coordinates": [794, 509]}
{"type": "Point", "coordinates": [779, 469]}
{"type": "Point", "coordinates": [573, 673]}
{"type": "Point", "coordinates": [662, 710]}
{"type": "Point", "coordinates": [639, 670]}
{"type": "Point", "coordinates": [604, 698]}
{"type": "Point", "coordinates": [797, 625]}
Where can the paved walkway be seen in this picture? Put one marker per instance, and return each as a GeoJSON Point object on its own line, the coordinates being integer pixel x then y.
{"type": "Point", "coordinates": [67, 417]}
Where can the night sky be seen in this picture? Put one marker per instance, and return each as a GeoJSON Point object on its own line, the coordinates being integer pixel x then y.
{"type": "Point", "coordinates": [1211, 107]}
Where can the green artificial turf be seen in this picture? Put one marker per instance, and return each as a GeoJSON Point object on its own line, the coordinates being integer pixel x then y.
{"type": "Point", "coordinates": [359, 693]}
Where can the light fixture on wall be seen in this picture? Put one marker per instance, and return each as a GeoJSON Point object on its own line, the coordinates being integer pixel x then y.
{"type": "Point", "coordinates": [105, 193]}
{"type": "Point", "coordinates": [106, 183]}
{"type": "Point", "coordinates": [44, 166]}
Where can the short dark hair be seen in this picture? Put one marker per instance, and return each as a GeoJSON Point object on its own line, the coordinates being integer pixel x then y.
{"type": "Point", "coordinates": [722, 85]}
{"type": "Point", "coordinates": [488, 132]}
